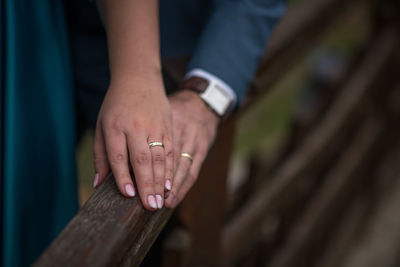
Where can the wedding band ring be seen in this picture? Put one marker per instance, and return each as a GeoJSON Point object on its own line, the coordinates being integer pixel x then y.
{"type": "Point", "coordinates": [152, 144]}
{"type": "Point", "coordinates": [188, 156]}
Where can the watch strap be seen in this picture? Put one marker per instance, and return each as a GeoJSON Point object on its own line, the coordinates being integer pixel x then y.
{"type": "Point", "coordinates": [196, 84]}
{"type": "Point", "coordinates": [199, 85]}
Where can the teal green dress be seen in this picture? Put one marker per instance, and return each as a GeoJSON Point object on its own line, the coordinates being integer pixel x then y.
{"type": "Point", "coordinates": [38, 191]}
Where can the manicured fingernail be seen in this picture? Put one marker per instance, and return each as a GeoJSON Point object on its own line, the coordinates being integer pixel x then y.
{"type": "Point", "coordinates": [159, 201]}
{"type": "Point", "coordinates": [152, 201]}
{"type": "Point", "coordinates": [96, 180]}
{"type": "Point", "coordinates": [168, 185]}
{"type": "Point", "coordinates": [129, 190]}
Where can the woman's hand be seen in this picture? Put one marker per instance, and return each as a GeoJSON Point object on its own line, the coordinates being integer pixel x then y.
{"type": "Point", "coordinates": [133, 114]}
{"type": "Point", "coordinates": [194, 127]}
{"type": "Point", "coordinates": [135, 110]}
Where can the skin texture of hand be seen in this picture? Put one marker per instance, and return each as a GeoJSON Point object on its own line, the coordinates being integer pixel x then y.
{"type": "Point", "coordinates": [128, 121]}
{"type": "Point", "coordinates": [135, 110]}
{"type": "Point", "coordinates": [194, 127]}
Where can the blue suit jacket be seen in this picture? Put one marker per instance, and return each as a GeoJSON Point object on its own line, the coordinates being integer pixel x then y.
{"type": "Point", "coordinates": [225, 37]}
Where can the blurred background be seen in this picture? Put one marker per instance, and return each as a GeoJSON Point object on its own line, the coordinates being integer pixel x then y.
{"type": "Point", "coordinates": [316, 144]}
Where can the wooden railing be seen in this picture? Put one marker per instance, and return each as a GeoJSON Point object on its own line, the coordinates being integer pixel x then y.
{"type": "Point", "coordinates": [294, 209]}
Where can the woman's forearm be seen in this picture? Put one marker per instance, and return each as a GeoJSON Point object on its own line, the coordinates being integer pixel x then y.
{"type": "Point", "coordinates": [133, 39]}
{"type": "Point", "coordinates": [135, 110]}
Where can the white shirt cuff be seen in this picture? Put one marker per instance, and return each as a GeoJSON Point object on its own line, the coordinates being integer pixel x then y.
{"type": "Point", "coordinates": [213, 79]}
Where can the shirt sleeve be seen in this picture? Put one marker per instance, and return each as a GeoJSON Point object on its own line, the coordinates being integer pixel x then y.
{"type": "Point", "coordinates": [234, 39]}
{"type": "Point", "coordinates": [215, 80]}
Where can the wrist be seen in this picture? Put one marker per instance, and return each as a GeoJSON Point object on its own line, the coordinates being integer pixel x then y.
{"type": "Point", "coordinates": [212, 92]}
{"type": "Point", "coordinates": [199, 104]}
{"type": "Point", "coordinates": [147, 83]}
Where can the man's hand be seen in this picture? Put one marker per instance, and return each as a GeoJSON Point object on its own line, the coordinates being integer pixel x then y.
{"type": "Point", "coordinates": [194, 127]}
{"type": "Point", "coordinates": [132, 115]}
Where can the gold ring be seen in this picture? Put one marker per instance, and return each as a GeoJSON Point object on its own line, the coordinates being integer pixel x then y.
{"type": "Point", "coordinates": [188, 156]}
{"type": "Point", "coordinates": [151, 144]}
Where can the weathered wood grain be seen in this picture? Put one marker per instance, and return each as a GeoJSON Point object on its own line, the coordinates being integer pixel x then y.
{"type": "Point", "coordinates": [109, 230]}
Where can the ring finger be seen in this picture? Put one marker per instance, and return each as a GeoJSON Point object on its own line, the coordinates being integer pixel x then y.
{"type": "Point", "coordinates": [191, 176]}
{"type": "Point", "coordinates": [184, 163]}
{"type": "Point", "coordinates": [158, 161]}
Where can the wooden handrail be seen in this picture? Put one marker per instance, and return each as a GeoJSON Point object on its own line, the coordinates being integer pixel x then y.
{"type": "Point", "coordinates": [109, 230]}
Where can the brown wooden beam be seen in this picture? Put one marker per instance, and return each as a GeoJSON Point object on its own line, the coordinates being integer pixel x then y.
{"type": "Point", "coordinates": [109, 230]}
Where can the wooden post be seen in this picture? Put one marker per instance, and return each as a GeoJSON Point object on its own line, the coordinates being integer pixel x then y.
{"type": "Point", "coordinates": [203, 210]}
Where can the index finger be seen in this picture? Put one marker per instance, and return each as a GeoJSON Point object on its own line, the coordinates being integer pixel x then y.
{"type": "Point", "coordinates": [118, 158]}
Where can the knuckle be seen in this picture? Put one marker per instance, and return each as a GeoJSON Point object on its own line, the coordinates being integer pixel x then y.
{"type": "Point", "coordinates": [112, 122]}
{"type": "Point", "coordinates": [142, 158]}
{"type": "Point", "coordinates": [158, 159]}
{"type": "Point", "coordinates": [169, 154]}
{"type": "Point", "coordinates": [117, 158]}
{"type": "Point", "coordinates": [138, 124]}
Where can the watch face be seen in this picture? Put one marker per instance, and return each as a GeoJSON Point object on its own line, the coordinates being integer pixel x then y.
{"type": "Point", "coordinates": [216, 98]}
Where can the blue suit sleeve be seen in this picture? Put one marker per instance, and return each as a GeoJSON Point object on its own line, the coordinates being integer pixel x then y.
{"type": "Point", "coordinates": [234, 38]}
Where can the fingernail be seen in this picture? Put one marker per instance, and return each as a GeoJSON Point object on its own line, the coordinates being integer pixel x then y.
{"type": "Point", "coordinates": [96, 180]}
{"type": "Point", "coordinates": [168, 185]}
{"type": "Point", "coordinates": [159, 201]}
{"type": "Point", "coordinates": [129, 190]}
{"type": "Point", "coordinates": [152, 201]}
